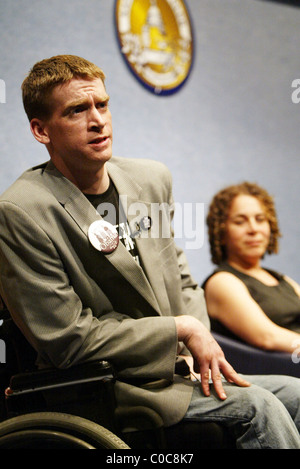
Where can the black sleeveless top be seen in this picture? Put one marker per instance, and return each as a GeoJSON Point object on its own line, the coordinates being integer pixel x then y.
{"type": "Point", "coordinates": [279, 302]}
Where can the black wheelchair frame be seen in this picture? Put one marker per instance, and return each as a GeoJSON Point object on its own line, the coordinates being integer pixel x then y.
{"type": "Point", "coordinates": [76, 408]}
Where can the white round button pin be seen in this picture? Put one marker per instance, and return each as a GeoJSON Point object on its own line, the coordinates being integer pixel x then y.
{"type": "Point", "coordinates": [103, 236]}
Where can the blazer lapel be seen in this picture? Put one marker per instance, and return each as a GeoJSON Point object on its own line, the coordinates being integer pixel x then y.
{"type": "Point", "coordinates": [135, 209]}
{"type": "Point", "coordinates": [84, 214]}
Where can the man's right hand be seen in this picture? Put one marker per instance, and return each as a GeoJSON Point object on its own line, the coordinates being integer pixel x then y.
{"type": "Point", "coordinates": [209, 359]}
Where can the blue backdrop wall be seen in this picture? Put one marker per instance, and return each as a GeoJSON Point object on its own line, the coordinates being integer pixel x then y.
{"type": "Point", "coordinates": [234, 119]}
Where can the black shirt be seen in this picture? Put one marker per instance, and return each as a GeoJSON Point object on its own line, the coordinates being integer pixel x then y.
{"type": "Point", "coordinates": [109, 207]}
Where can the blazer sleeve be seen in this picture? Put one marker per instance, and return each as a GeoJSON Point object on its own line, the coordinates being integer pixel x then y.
{"type": "Point", "coordinates": [44, 305]}
{"type": "Point", "coordinates": [193, 295]}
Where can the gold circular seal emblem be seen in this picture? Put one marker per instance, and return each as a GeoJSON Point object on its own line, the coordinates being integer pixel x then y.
{"type": "Point", "coordinates": [156, 40]}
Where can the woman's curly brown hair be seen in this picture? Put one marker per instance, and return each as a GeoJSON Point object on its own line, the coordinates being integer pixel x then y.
{"type": "Point", "coordinates": [218, 214]}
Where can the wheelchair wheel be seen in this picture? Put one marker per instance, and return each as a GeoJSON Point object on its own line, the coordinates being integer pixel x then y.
{"type": "Point", "coordinates": [53, 430]}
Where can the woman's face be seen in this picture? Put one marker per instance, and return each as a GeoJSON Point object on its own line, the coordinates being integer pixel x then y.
{"type": "Point", "coordinates": [247, 231]}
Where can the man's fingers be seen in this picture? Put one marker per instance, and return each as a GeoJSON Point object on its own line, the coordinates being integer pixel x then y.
{"type": "Point", "coordinates": [215, 372]}
{"type": "Point", "coordinates": [217, 380]}
{"type": "Point", "coordinates": [232, 376]}
{"type": "Point", "coordinates": [205, 377]}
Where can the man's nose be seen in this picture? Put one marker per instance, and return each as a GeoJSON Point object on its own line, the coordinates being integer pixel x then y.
{"type": "Point", "coordinates": [96, 118]}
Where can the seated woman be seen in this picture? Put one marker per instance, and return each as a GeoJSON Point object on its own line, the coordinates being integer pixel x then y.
{"type": "Point", "coordinates": [244, 299]}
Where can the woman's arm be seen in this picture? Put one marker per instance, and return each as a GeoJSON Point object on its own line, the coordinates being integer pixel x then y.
{"type": "Point", "coordinates": [229, 301]}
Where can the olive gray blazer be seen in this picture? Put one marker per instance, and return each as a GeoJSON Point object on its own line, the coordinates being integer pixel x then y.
{"type": "Point", "coordinates": [74, 303]}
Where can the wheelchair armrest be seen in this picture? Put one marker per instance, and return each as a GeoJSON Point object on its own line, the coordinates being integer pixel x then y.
{"type": "Point", "coordinates": [251, 360]}
{"type": "Point", "coordinates": [85, 390]}
{"type": "Point", "coordinates": [51, 378]}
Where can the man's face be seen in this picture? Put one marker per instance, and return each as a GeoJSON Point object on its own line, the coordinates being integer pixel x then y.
{"type": "Point", "coordinates": [79, 131]}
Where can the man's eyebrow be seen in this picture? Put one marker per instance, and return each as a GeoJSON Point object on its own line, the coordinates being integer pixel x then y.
{"type": "Point", "coordinates": [103, 99]}
{"type": "Point", "coordinates": [73, 105]}
{"type": "Point", "coordinates": [83, 101]}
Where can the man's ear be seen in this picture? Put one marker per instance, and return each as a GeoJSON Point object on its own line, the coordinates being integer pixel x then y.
{"type": "Point", "coordinates": [39, 130]}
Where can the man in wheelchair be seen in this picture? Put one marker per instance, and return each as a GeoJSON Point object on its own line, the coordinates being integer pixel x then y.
{"type": "Point", "coordinates": [90, 272]}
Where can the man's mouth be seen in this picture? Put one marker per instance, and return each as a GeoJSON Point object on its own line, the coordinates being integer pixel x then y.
{"type": "Point", "coordinates": [98, 140]}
